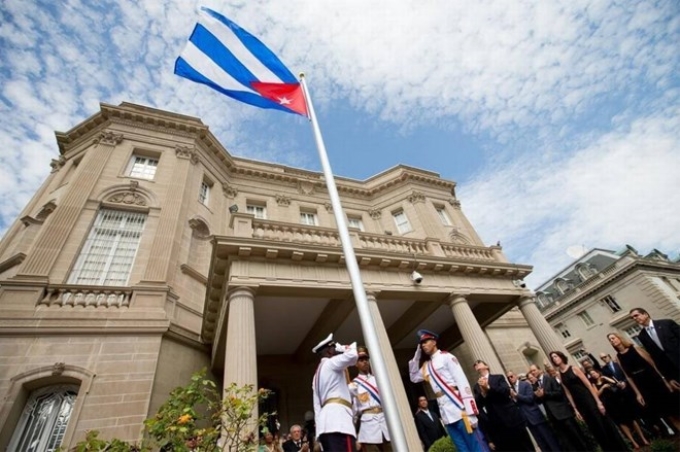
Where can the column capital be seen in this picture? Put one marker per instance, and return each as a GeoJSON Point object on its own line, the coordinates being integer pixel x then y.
{"type": "Point", "coordinates": [373, 294]}
{"type": "Point", "coordinates": [526, 298]}
{"type": "Point", "coordinates": [251, 290]}
{"type": "Point", "coordinates": [457, 297]}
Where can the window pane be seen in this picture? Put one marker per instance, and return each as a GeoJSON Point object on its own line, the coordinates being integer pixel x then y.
{"type": "Point", "coordinates": [143, 167]}
{"type": "Point", "coordinates": [204, 193]}
{"type": "Point", "coordinates": [308, 218]}
{"type": "Point", "coordinates": [259, 211]}
{"type": "Point", "coordinates": [444, 217]}
{"type": "Point", "coordinates": [403, 225]}
{"type": "Point", "coordinates": [43, 423]}
{"type": "Point", "coordinates": [355, 223]}
{"type": "Point", "coordinates": [109, 252]}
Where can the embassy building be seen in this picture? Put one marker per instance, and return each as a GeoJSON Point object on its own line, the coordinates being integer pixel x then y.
{"type": "Point", "coordinates": [150, 252]}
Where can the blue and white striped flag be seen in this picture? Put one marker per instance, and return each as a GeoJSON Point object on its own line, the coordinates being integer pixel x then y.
{"type": "Point", "coordinates": [227, 58]}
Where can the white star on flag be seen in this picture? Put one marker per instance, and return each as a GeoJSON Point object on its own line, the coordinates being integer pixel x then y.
{"type": "Point", "coordinates": [284, 101]}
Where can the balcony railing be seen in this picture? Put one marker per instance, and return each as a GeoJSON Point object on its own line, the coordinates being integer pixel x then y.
{"type": "Point", "coordinates": [79, 296]}
{"type": "Point", "coordinates": [316, 235]}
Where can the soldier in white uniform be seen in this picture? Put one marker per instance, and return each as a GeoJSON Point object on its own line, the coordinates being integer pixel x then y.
{"type": "Point", "coordinates": [452, 389]}
{"type": "Point", "coordinates": [373, 433]}
{"type": "Point", "coordinates": [332, 400]}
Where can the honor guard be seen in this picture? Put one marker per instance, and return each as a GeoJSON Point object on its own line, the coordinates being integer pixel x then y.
{"type": "Point", "coordinates": [452, 389]}
{"type": "Point", "coordinates": [332, 400]}
{"type": "Point", "coordinates": [372, 428]}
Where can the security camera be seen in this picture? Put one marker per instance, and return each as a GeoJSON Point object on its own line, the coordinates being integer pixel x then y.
{"type": "Point", "coordinates": [416, 277]}
{"type": "Point", "coordinates": [520, 283]}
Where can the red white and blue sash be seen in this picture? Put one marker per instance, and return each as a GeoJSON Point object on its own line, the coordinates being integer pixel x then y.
{"type": "Point", "coordinates": [372, 390]}
{"type": "Point", "coordinates": [450, 393]}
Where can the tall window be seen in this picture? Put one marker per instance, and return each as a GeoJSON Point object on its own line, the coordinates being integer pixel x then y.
{"type": "Point", "coordinates": [633, 332]}
{"type": "Point", "coordinates": [204, 193]}
{"type": "Point", "coordinates": [443, 216]}
{"type": "Point", "coordinates": [143, 167]}
{"type": "Point", "coordinates": [43, 422]}
{"type": "Point", "coordinates": [355, 222]}
{"type": "Point", "coordinates": [579, 355]}
{"type": "Point", "coordinates": [109, 251]}
{"type": "Point", "coordinates": [308, 218]}
{"type": "Point", "coordinates": [401, 220]}
{"type": "Point", "coordinates": [563, 330]}
{"type": "Point", "coordinates": [259, 211]}
{"type": "Point", "coordinates": [611, 303]}
{"type": "Point", "coordinates": [585, 318]}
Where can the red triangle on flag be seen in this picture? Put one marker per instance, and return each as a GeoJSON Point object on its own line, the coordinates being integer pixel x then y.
{"type": "Point", "coordinates": [288, 95]}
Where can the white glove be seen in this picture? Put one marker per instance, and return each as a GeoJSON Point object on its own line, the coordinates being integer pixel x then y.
{"type": "Point", "coordinates": [340, 348]}
{"type": "Point", "coordinates": [419, 351]}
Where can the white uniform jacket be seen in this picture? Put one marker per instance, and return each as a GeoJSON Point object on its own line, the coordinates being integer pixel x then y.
{"type": "Point", "coordinates": [447, 367]}
{"type": "Point", "coordinates": [330, 384]}
{"type": "Point", "coordinates": [373, 426]}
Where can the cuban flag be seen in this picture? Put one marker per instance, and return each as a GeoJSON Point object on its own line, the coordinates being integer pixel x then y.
{"type": "Point", "coordinates": [227, 58]}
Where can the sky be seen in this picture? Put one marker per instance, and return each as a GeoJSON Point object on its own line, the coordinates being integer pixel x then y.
{"type": "Point", "coordinates": [559, 120]}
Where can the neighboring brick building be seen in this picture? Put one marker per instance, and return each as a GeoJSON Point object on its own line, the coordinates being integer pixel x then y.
{"type": "Point", "coordinates": [150, 252]}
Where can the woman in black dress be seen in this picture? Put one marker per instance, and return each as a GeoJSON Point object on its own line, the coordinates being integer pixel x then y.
{"type": "Point", "coordinates": [650, 387]}
{"type": "Point", "coordinates": [588, 405]}
{"type": "Point", "coordinates": [619, 404]}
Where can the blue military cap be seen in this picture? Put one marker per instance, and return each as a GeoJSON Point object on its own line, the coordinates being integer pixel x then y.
{"type": "Point", "coordinates": [426, 335]}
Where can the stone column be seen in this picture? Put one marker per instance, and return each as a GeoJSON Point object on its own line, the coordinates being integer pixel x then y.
{"type": "Point", "coordinates": [55, 231]}
{"type": "Point", "coordinates": [396, 382]}
{"type": "Point", "coordinates": [240, 361]}
{"type": "Point", "coordinates": [164, 243]}
{"type": "Point", "coordinates": [473, 334]}
{"type": "Point", "coordinates": [544, 333]}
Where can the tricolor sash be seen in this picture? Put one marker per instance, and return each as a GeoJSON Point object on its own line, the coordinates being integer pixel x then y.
{"type": "Point", "coordinates": [448, 391]}
{"type": "Point", "coordinates": [372, 390]}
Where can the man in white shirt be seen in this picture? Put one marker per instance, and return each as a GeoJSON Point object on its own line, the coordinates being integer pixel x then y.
{"type": "Point", "coordinates": [332, 400]}
{"type": "Point", "coordinates": [452, 389]}
{"type": "Point", "coordinates": [373, 433]}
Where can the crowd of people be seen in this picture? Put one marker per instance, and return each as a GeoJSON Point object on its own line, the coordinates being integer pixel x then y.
{"type": "Point", "coordinates": [618, 404]}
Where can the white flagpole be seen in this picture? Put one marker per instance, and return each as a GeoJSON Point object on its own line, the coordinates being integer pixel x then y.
{"type": "Point", "coordinates": [368, 327]}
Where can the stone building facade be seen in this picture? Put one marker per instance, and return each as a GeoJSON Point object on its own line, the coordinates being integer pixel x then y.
{"type": "Point", "coordinates": [593, 295]}
{"type": "Point", "coordinates": [150, 252]}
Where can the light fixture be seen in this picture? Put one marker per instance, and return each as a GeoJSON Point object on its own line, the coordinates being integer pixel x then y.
{"type": "Point", "coordinates": [519, 284]}
{"type": "Point", "coordinates": [416, 277]}
{"type": "Point", "coordinates": [233, 209]}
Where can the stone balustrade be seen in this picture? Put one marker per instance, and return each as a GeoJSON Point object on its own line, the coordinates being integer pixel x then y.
{"type": "Point", "coordinates": [286, 232]}
{"type": "Point", "coordinates": [394, 244]}
{"type": "Point", "coordinates": [84, 296]}
{"type": "Point", "coordinates": [467, 252]}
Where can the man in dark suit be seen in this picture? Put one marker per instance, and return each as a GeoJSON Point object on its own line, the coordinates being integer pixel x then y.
{"type": "Point", "coordinates": [296, 443]}
{"type": "Point", "coordinates": [492, 395]}
{"type": "Point", "coordinates": [560, 413]}
{"type": "Point", "coordinates": [661, 339]}
{"type": "Point", "coordinates": [525, 399]}
{"type": "Point", "coordinates": [430, 428]}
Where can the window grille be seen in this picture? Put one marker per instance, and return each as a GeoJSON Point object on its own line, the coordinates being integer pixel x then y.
{"type": "Point", "coordinates": [400, 219]}
{"type": "Point", "coordinates": [43, 422]}
{"type": "Point", "coordinates": [260, 212]}
{"type": "Point", "coordinates": [308, 218]}
{"type": "Point", "coordinates": [586, 318]}
{"type": "Point", "coordinates": [204, 193]}
{"type": "Point", "coordinates": [563, 331]}
{"type": "Point", "coordinates": [633, 332]}
{"type": "Point", "coordinates": [611, 303]}
{"type": "Point", "coordinates": [110, 249]}
{"type": "Point", "coordinates": [354, 222]}
{"type": "Point", "coordinates": [443, 216]}
{"type": "Point", "coordinates": [143, 167]}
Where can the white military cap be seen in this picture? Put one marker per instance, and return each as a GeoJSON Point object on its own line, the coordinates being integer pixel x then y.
{"type": "Point", "coordinates": [324, 343]}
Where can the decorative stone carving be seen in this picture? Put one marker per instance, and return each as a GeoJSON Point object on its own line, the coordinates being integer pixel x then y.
{"type": "Point", "coordinates": [109, 138]}
{"type": "Point", "coordinates": [183, 152]}
{"type": "Point", "coordinates": [283, 200]}
{"type": "Point", "coordinates": [328, 206]}
{"type": "Point", "coordinates": [58, 369]}
{"type": "Point", "coordinates": [455, 203]}
{"type": "Point", "coordinates": [46, 210]}
{"type": "Point", "coordinates": [415, 197]}
{"type": "Point", "coordinates": [376, 214]}
{"type": "Point", "coordinates": [200, 229]}
{"type": "Point", "coordinates": [134, 185]}
{"type": "Point", "coordinates": [458, 237]}
{"type": "Point", "coordinates": [57, 163]}
{"type": "Point", "coordinates": [229, 191]}
{"type": "Point", "coordinates": [305, 187]}
{"type": "Point", "coordinates": [130, 198]}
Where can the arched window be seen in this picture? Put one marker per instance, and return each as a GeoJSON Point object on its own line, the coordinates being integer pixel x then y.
{"type": "Point", "coordinates": [43, 422]}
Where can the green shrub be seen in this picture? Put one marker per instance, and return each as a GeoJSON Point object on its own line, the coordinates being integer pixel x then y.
{"type": "Point", "coordinates": [443, 445]}
{"type": "Point", "coordinates": [663, 445]}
